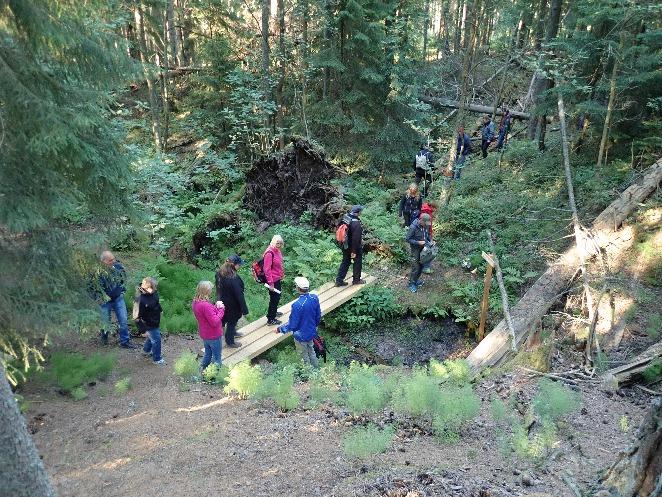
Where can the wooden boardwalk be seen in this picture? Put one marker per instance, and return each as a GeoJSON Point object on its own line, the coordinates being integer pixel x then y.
{"type": "Point", "coordinates": [258, 336]}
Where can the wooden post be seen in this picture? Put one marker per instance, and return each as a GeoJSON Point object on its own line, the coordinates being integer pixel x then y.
{"type": "Point", "coordinates": [486, 296]}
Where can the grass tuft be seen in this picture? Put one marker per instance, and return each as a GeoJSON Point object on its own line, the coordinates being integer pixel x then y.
{"type": "Point", "coordinates": [123, 385]}
{"type": "Point", "coordinates": [187, 367]}
{"type": "Point", "coordinates": [362, 442]}
{"type": "Point", "coordinates": [244, 379]}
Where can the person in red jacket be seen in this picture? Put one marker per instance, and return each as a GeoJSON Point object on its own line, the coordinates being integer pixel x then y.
{"type": "Point", "coordinates": [274, 272]}
{"type": "Point", "coordinates": [428, 208]}
{"type": "Point", "coordinates": [209, 317]}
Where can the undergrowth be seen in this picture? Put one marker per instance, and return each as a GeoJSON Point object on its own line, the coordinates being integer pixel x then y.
{"type": "Point", "coordinates": [362, 442]}
{"type": "Point", "coordinates": [187, 367]}
{"type": "Point", "coordinates": [72, 370]}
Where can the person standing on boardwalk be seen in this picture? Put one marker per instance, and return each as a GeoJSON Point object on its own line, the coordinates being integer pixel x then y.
{"type": "Point", "coordinates": [304, 319]}
{"type": "Point", "coordinates": [410, 205]}
{"type": "Point", "coordinates": [111, 291]}
{"type": "Point", "coordinates": [274, 272]}
{"type": "Point", "coordinates": [209, 317]}
{"type": "Point", "coordinates": [352, 248]}
{"type": "Point", "coordinates": [418, 236]}
{"type": "Point", "coordinates": [230, 290]}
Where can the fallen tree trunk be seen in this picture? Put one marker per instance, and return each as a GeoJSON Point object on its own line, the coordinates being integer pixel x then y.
{"type": "Point", "coordinates": [627, 373]}
{"type": "Point", "coordinates": [546, 290]}
{"type": "Point", "coordinates": [483, 109]}
{"type": "Point", "coordinates": [637, 472]}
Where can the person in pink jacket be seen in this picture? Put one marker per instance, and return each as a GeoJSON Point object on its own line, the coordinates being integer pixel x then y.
{"type": "Point", "coordinates": [209, 317]}
{"type": "Point", "coordinates": [274, 272]}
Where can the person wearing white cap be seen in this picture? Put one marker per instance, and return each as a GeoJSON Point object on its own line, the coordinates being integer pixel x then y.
{"type": "Point", "coordinates": [305, 317]}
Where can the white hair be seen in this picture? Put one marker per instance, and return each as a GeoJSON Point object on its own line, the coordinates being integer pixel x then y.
{"type": "Point", "coordinates": [275, 240]}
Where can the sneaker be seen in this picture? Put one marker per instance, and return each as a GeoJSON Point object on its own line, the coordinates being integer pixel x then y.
{"type": "Point", "coordinates": [420, 283]}
{"type": "Point", "coordinates": [238, 334]}
{"type": "Point", "coordinates": [427, 270]}
{"type": "Point", "coordinates": [413, 288]}
{"type": "Point", "coordinates": [358, 282]}
{"type": "Point", "coordinates": [279, 314]}
{"type": "Point", "coordinates": [128, 345]}
{"type": "Point", "coordinates": [341, 283]}
{"type": "Point", "coordinates": [274, 322]}
{"type": "Point", "coordinates": [104, 338]}
{"type": "Point", "coordinates": [234, 345]}
{"type": "Point", "coordinates": [160, 362]}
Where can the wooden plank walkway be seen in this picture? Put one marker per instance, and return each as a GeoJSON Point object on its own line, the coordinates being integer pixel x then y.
{"type": "Point", "coordinates": [258, 336]}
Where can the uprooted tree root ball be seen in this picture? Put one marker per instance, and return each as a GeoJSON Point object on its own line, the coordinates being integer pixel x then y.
{"type": "Point", "coordinates": [292, 182]}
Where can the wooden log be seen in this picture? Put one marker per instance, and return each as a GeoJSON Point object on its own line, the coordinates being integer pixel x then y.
{"type": "Point", "coordinates": [545, 291]}
{"type": "Point", "coordinates": [483, 109]}
{"type": "Point", "coordinates": [627, 373]}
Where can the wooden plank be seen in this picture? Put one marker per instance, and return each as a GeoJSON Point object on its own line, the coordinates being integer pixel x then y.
{"type": "Point", "coordinates": [264, 337]}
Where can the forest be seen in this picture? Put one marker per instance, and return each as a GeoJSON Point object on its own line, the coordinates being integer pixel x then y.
{"type": "Point", "coordinates": [170, 145]}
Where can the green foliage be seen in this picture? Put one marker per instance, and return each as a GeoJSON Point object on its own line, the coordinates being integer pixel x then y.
{"type": "Point", "coordinates": [285, 396]}
{"type": "Point", "coordinates": [215, 375]}
{"type": "Point", "coordinates": [535, 446]}
{"type": "Point", "coordinates": [554, 400]}
{"type": "Point", "coordinates": [123, 385]}
{"type": "Point", "coordinates": [324, 384]}
{"type": "Point", "coordinates": [455, 407]}
{"type": "Point", "coordinates": [72, 371]}
{"type": "Point", "coordinates": [454, 371]}
{"type": "Point", "coordinates": [498, 409]}
{"type": "Point", "coordinates": [187, 367]}
{"type": "Point", "coordinates": [244, 379]}
{"type": "Point", "coordinates": [624, 424]}
{"type": "Point", "coordinates": [373, 305]}
{"type": "Point", "coordinates": [654, 325]}
{"type": "Point", "coordinates": [362, 442]}
{"type": "Point", "coordinates": [364, 389]}
{"type": "Point", "coordinates": [653, 371]}
{"type": "Point", "coordinates": [417, 395]}
{"type": "Point", "coordinates": [176, 290]}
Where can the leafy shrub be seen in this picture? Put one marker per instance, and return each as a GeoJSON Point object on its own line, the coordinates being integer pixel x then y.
{"type": "Point", "coordinates": [455, 406]}
{"type": "Point", "coordinates": [536, 446]}
{"type": "Point", "coordinates": [454, 371]}
{"type": "Point", "coordinates": [365, 441]}
{"type": "Point", "coordinates": [324, 385]}
{"type": "Point", "coordinates": [176, 290]}
{"type": "Point", "coordinates": [187, 367]}
{"type": "Point", "coordinates": [215, 375]}
{"type": "Point", "coordinates": [123, 385]}
{"type": "Point", "coordinates": [244, 379]}
{"type": "Point", "coordinates": [498, 409]}
{"type": "Point", "coordinates": [374, 304]}
{"type": "Point", "coordinates": [285, 396]}
{"type": "Point", "coordinates": [653, 371]}
{"type": "Point", "coordinates": [417, 395]}
{"type": "Point", "coordinates": [654, 325]}
{"type": "Point", "coordinates": [72, 370]}
{"type": "Point", "coordinates": [554, 400]}
{"type": "Point", "coordinates": [364, 389]}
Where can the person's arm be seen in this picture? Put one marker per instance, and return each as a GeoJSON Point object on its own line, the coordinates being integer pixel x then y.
{"type": "Point", "coordinates": [238, 287]}
{"type": "Point", "coordinates": [294, 322]}
{"type": "Point", "coordinates": [401, 206]}
{"type": "Point", "coordinates": [318, 311]}
{"type": "Point", "coordinates": [268, 269]}
{"type": "Point", "coordinates": [213, 314]}
{"type": "Point", "coordinates": [141, 307]}
{"type": "Point", "coordinates": [410, 235]}
{"type": "Point", "coordinates": [217, 280]}
{"type": "Point", "coordinates": [430, 158]}
{"type": "Point", "coordinates": [357, 233]}
{"type": "Point", "coordinates": [419, 204]}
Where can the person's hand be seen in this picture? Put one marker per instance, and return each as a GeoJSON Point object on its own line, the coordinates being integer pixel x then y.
{"type": "Point", "coordinates": [421, 243]}
{"type": "Point", "coordinates": [271, 288]}
{"type": "Point", "coordinates": [353, 256]}
{"type": "Point", "coordinates": [220, 304]}
{"type": "Point", "coordinates": [277, 330]}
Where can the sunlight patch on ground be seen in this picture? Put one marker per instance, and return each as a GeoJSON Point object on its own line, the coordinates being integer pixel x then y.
{"type": "Point", "coordinates": [127, 419]}
{"type": "Point", "coordinates": [202, 407]}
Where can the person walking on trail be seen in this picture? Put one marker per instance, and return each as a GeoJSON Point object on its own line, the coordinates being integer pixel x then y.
{"type": "Point", "coordinates": [428, 208]}
{"type": "Point", "coordinates": [230, 290]}
{"type": "Point", "coordinates": [352, 250]}
{"type": "Point", "coordinates": [462, 152]}
{"type": "Point", "coordinates": [486, 134]}
{"type": "Point", "coordinates": [504, 127]}
{"type": "Point", "coordinates": [410, 205]}
{"type": "Point", "coordinates": [274, 272]}
{"type": "Point", "coordinates": [304, 320]}
{"type": "Point", "coordinates": [418, 236]}
{"type": "Point", "coordinates": [149, 319]}
{"type": "Point", "coordinates": [423, 162]}
{"type": "Point", "coordinates": [110, 295]}
{"type": "Point", "coordinates": [209, 317]}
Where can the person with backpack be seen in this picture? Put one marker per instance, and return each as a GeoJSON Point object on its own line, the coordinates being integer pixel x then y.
{"type": "Point", "coordinates": [410, 205]}
{"type": "Point", "coordinates": [305, 317]}
{"type": "Point", "coordinates": [423, 162]}
{"type": "Point", "coordinates": [418, 236]}
{"type": "Point", "coordinates": [428, 208]}
{"type": "Point", "coordinates": [149, 319]}
{"type": "Point", "coordinates": [504, 127]}
{"type": "Point", "coordinates": [273, 273]}
{"type": "Point", "coordinates": [349, 236]}
{"type": "Point", "coordinates": [486, 133]}
{"type": "Point", "coordinates": [462, 152]}
{"type": "Point", "coordinates": [230, 290]}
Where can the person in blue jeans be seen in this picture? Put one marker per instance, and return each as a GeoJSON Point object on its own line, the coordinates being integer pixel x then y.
{"type": "Point", "coordinates": [111, 293]}
{"type": "Point", "coordinates": [304, 319]}
{"type": "Point", "coordinates": [210, 318]}
{"type": "Point", "coordinates": [149, 318]}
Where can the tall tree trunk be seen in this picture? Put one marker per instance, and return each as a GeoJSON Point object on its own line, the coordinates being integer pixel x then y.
{"type": "Point", "coordinates": [23, 473]}
{"type": "Point", "coordinates": [266, 14]}
{"type": "Point", "coordinates": [327, 44]}
{"type": "Point", "coordinates": [610, 109]}
{"type": "Point", "coordinates": [186, 44]}
{"type": "Point", "coordinates": [172, 33]}
{"type": "Point", "coordinates": [540, 25]}
{"type": "Point", "coordinates": [425, 29]}
{"type": "Point", "coordinates": [282, 56]}
{"type": "Point", "coordinates": [132, 42]}
{"type": "Point", "coordinates": [149, 78]}
{"type": "Point", "coordinates": [304, 66]}
{"type": "Point", "coordinates": [165, 81]}
{"type": "Point", "coordinates": [458, 27]}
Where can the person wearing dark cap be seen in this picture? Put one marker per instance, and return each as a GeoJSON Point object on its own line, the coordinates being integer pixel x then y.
{"type": "Point", "coordinates": [418, 236]}
{"type": "Point", "coordinates": [352, 250]}
{"type": "Point", "coordinates": [230, 290]}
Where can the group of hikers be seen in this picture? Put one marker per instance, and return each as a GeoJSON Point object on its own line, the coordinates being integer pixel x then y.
{"type": "Point", "coordinates": [217, 319]}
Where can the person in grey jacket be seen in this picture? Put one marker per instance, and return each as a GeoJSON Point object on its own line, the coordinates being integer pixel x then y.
{"type": "Point", "coordinates": [418, 236]}
{"type": "Point", "coordinates": [487, 134]}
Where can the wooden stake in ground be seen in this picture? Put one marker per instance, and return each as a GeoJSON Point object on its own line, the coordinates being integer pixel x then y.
{"type": "Point", "coordinates": [484, 305]}
{"type": "Point", "coordinates": [504, 294]}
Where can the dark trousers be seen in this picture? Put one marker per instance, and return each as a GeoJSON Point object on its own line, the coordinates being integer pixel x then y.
{"type": "Point", "coordinates": [274, 298]}
{"type": "Point", "coordinates": [483, 146]}
{"type": "Point", "coordinates": [230, 330]}
{"type": "Point", "coordinates": [344, 266]}
{"type": "Point", "coordinates": [420, 174]}
{"type": "Point", "coordinates": [416, 266]}
{"type": "Point", "coordinates": [407, 218]}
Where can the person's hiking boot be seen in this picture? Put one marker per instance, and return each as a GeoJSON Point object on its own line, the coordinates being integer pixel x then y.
{"type": "Point", "coordinates": [128, 345]}
{"type": "Point", "coordinates": [274, 322]}
{"type": "Point", "coordinates": [234, 345]}
{"type": "Point", "coordinates": [420, 283]}
{"type": "Point", "coordinates": [427, 270]}
{"type": "Point", "coordinates": [104, 337]}
{"type": "Point", "coordinates": [413, 288]}
{"type": "Point", "coordinates": [358, 282]}
{"type": "Point", "coordinates": [279, 314]}
{"type": "Point", "coordinates": [341, 283]}
{"type": "Point", "coordinates": [160, 362]}
{"type": "Point", "coordinates": [238, 334]}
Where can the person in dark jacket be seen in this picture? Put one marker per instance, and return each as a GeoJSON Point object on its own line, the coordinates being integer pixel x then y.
{"type": "Point", "coordinates": [504, 127]}
{"type": "Point", "coordinates": [418, 236]}
{"type": "Point", "coordinates": [354, 250]}
{"type": "Point", "coordinates": [423, 163]}
{"type": "Point", "coordinates": [304, 319]}
{"type": "Point", "coordinates": [410, 205]}
{"type": "Point", "coordinates": [230, 290]}
{"type": "Point", "coordinates": [110, 296]}
{"type": "Point", "coordinates": [486, 134]}
{"type": "Point", "coordinates": [462, 152]}
{"type": "Point", "coordinates": [149, 317]}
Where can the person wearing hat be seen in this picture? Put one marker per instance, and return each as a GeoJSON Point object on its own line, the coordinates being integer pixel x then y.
{"type": "Point", "coordinates": [354, 249]}
{"type": "Point", "coordinates": [230, 290]}
{"type": "Point", "coordinates": [418, 236]}
{"type": "Point", "coordinates": [274, 272]}
{"type": "Point", "coordinates": [304, 319]}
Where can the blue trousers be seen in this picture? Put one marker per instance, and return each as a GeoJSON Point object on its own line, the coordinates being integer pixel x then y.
{"type": "Point", "coordinates": [212, 350]}
{"type": "Point", "coordinates": [153, 343]}
{"type": "Point", "coordinates": [118, 306]}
